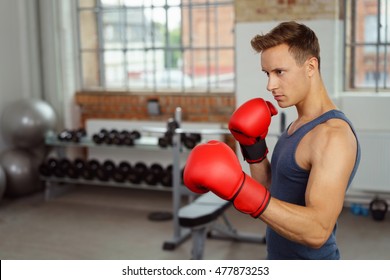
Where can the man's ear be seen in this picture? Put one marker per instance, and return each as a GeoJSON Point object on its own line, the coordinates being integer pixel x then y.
{"type": "Point", "coordinates": [312, 66]}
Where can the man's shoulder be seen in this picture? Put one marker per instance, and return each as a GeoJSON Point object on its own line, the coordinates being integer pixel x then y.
{"type": "Point", "coordinates": [332, 134]}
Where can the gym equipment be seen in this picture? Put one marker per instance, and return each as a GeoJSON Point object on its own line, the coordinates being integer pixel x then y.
{"type": "Point", "coordinates": [21, 172]}
{"type": "Point", "coordinates": [109, 168]}
{"type": "Point", "coordinates": [138, 173]}
{"type": "Point", "coordinates": [98, 138]}
{"type": "Point", "coordinates": [93, 166]}
{"type": "Point", "coordinates": [201, 217]}
{"type": "Point", "coordinates": [167, 176]}
{"type": "Point", "coordinates": [3, 182]}
{"type": "Point", "coordinates": [25, 123]}
{"type": "Point", "coordinates": [378, 209]}
{"type": "Point", "coordinates": [82, 168]}
{"type": "Point", "coordinates": [190, 140]}
{"type": "Point", "coordinates": [359, 210]}
{"type": "Point", "coordinates": [70, 169]}
{"type": "Point", "coordinates": [154, 174]}
{"type": "Point", "coordinates": [167, 139]}
{"type": "Point", "coordinates": [100, 171]}
{"type": "Point", "coordinates": [72, 135]}
{"type": "Point", "coordinates": [44, 169]}
{"type": "Point", "coordinates": [114, 137]}
{"type": "Point", "coordinates": [121, 172]}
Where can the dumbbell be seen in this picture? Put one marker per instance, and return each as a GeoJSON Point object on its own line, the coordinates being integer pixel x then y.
{"type": "Point", "coordinates": [167, 138]}
{"type": "Point", "coordinates": [128, 138]}
{"type": "Point", "coordinates": [105, 170]}
{"type": "Point", "coordinates": [65, 136]}
{"type": "Point", "coordinates": [137, 173]}
{"type": "Point", "coordinates": [378, 209]}
{"type": "Point", "coordinates": [122, 172]}
{"type": "Point", "coordinates": [102, 137]}
{"type": "Point", "coordinates": [82, 168]}
{"type": "Point", "coordinates": [69, 169]}
{"type": "Point", "coordinates": [45, 170]}
{"type": "Point", "coordinates": [56, 168]}
{"type": "Point", "coordinates": [190, 140]}
{"type": "Point", "coordinates": [118, 175]}
{"type": "Point", "coordinates": [112, 138]}
{"type": "Point", "coordinates": [154, 174]}
{"type": "Point", "coordinates": [98, 138]}
{"type": "Point", "coordinates": [93, 166]}
{"type": "Point", "coordinates": [68, 135]}
{"type": "Point", "coordinates": [167, 178]}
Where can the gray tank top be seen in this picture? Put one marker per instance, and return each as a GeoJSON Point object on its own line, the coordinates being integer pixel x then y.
{"type": "Point", "coordinates": [289, 183]}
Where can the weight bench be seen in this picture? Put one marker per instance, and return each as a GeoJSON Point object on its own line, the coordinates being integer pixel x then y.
{"type": "Point", "coordinates": [201, 217]}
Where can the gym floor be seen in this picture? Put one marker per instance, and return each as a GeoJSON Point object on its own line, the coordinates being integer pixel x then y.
{"type": "Point", "coordinates": [91, 222]}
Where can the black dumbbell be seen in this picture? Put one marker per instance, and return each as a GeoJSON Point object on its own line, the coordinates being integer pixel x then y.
{"type": "Point", "coordinates": [190, 140]}
{"type": "Point", "coordinates": [44, 169]}
{"type": "Point", "coordinates": [69, 169]}
{"type": "Point", "coordinates": [167, 139]}
{"type": "Point", "coordinates": [93, 166]}
{"type": "Point", "coordinates": [135, 134]}
{"type": "Point", "coordinates": [122, 172]}
{"type": "Point", "coordinates": [62, 168]}
{"type": "Point", "coordinates": [154, 174]}
{"type": "Point", "coordinates": [82, 168]}
{"type": "Point", "coordinates": [137, 173]}
{"type": "Point", "coordinates": [65, 135]}
{"type": "Point", "coordinates": [111, 170]}
{"type": "Point", "coordinates": [112, 138]}
{"type": "Point", "coordinates": [167, 176]}
{"type": "Point", "coordinates": [98, 138]}
{"type": "Point", "coordinates": [80, 133]}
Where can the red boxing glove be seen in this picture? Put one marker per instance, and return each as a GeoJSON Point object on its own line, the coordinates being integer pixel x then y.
{"type": "Point", "coordinates": [213, 166]}
{"type": "Point", "coordinates": [249, 126]}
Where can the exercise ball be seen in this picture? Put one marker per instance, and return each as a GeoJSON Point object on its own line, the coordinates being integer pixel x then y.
{"type": "Point", "coordinates": [21, 172]}
{"type": "Point", "coordinates": [3, 182]}
{"type": "Point", "coordinates": [25, 123]}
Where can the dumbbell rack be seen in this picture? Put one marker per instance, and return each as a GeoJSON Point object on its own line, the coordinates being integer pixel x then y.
{"type": "Point", "coordinates": [149, 143]}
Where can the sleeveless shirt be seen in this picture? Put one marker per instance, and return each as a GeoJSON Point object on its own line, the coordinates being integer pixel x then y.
{"type": "Point", "coordinates": [289, 182]}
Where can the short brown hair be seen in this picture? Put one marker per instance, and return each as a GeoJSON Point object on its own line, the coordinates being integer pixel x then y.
{"type": "Point", "coordinates": [302, 41]}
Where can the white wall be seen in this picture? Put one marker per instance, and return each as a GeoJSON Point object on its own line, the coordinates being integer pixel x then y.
{"type": "Point", "coordinates": [20, 72]}
{"type": "Point", "coordinates": [38, 56]}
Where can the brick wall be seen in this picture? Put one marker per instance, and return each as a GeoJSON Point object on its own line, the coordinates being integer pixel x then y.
{"type": "Point", "coordinates": [284, 10]}
{"type": "Point", "coordinates": [195, 108]}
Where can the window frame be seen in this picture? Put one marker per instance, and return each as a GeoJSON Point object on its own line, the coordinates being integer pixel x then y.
{"type": "Point", "coordinates": [351, 46]}
{"type": "Point", "coordinates": [102, 86]}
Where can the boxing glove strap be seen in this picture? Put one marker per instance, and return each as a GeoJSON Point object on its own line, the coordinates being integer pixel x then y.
{"type": "Point", "coordinates": [251, 197]}
{"type": "Point", "coordinates": [255, 153]}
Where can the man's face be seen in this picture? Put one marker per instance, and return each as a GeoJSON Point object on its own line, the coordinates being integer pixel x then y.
{"type": "Point", "coordinates": [287, 81]}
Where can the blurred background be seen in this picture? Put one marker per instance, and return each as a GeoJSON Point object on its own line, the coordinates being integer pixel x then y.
{"type": "Point", "coordinates": [94, 94]}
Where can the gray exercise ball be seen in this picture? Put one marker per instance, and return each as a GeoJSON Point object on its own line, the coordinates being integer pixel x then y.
{"type": "Point", "coordinates": [3, 182]}
{"type": "Point", "coordinates": [21, 172]}
{"type": "Point", "coordinates": [26, 122]}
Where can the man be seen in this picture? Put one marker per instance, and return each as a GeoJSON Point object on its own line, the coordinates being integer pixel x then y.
{"type": "Point", "coordinates": [300, 194]}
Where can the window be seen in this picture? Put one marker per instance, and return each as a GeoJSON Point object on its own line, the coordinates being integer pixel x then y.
{"type": "Point", "coordinates": [157, 45]}
{"type": "Point", "coordinates": [367, 45]}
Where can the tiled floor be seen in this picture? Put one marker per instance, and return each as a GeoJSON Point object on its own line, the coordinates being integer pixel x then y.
{"type": "Point", "coordinates": [112, 223]}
